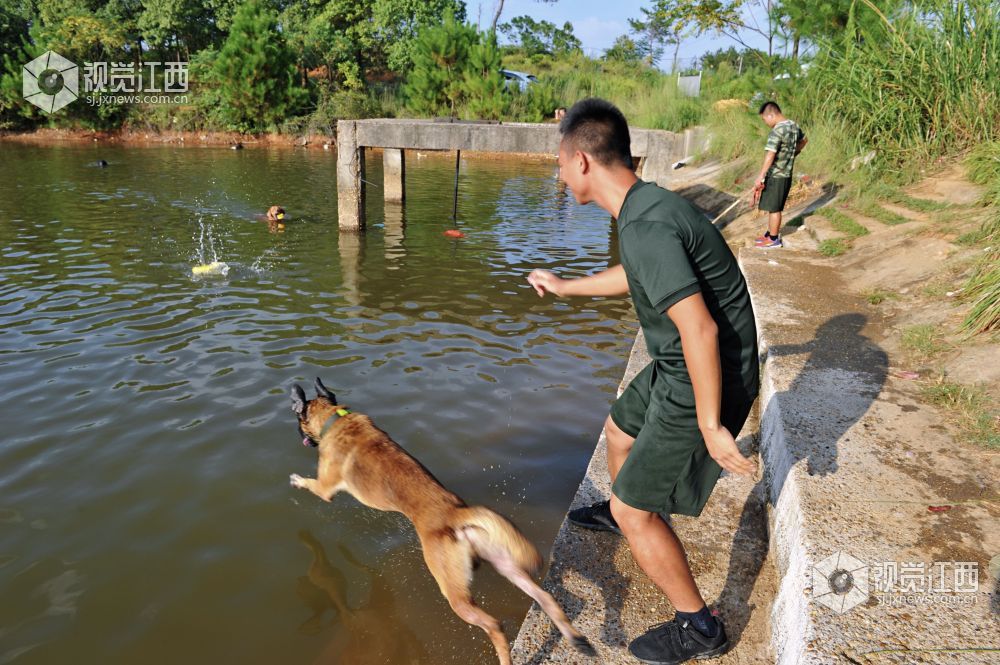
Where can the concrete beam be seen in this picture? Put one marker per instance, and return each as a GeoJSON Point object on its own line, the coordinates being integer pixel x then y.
{"type": "Point", "coordinates": [350, 169]}
{"type": "Point", "coordinates": [531, 138]}
{"type": "Point", "coordinates": [394, 175]}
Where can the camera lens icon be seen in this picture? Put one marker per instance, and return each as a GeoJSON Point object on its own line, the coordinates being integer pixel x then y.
{"type": "Point", "coordinates": [840, 582]}
{"type": "Point", "coordinates": [50, 81]}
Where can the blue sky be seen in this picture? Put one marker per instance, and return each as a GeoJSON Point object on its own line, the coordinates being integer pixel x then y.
{"type": "Point", "coordinates": [596, 23]}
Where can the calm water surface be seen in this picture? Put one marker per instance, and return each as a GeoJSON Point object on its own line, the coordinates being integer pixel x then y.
{"type": "Point", "coordinates": [145, 511]}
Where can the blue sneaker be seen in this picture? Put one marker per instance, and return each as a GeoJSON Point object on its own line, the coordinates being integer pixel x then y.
{"type": "Point", "coordinates": [767, 242]}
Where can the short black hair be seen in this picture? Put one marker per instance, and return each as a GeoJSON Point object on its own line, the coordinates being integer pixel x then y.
{"type": "Point", "coordinates": [766, 105]}
{"type": "Point", "coordinates": [598, 128]}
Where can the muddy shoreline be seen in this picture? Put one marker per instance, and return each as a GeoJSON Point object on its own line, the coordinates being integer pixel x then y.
{"type": "Point", "coordinates": [187, 139]}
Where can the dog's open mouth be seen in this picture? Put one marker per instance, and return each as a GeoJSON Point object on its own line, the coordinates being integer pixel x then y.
{"type": "Point", "coordinates": [306, 441]}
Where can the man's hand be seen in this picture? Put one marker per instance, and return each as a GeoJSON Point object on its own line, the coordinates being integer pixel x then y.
{"type": "Point", "coordinates": [722, 447]}
{"type": "Point", "coordinates": [755, 192]}
{"type": "Point", "coordinates": [544, 281]}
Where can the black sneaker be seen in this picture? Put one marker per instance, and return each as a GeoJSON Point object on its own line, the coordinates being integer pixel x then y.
{"type": "Point", "coordinates": [675, 642]}
{"type": "Point", "coordinates": [596, 516]}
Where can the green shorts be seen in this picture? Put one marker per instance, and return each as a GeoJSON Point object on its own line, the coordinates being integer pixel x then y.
{"type": "Point", "coordinates": [668, 469]}
{"type": "Point", "coordinates": [775, 193]}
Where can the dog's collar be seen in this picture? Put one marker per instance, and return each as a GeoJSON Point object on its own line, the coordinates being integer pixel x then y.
{"type": "Point", "coordinates": [339, 413]}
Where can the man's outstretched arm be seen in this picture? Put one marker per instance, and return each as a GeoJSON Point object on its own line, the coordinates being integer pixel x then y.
{"type": "Point", "coordinates": [611, 282]}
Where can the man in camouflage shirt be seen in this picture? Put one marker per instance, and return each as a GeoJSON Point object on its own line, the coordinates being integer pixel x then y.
{"type": "Point", "coordinates": [785, 141]}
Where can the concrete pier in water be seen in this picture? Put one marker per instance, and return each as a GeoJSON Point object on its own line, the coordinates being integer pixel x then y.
{"type": "Point", "coordinates": [657, 150]}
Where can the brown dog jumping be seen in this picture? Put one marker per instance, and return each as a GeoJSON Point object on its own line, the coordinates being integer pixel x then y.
{"type": "Point", "coordinates": [358, 458]}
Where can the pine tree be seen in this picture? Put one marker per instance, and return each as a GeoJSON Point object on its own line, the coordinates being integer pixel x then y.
{"type": "Point", "coordinates": [484, 85]}
{"type": "Point", "coordinates": [255, 70]}
{"type": "Point", "coordinates": [440, 58]}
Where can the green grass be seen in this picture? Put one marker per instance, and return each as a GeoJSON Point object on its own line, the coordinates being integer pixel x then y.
{"type": "Point", "coordinates": [877, 212]}
{"type": "Point", "coordinates": [983, 166]}
{"type": "Point", "coordinates": [916, 86]}
{"type": "Point", "coordinates": [834, 247]}
{"type": "Point", "coordinates": [972, 409]}
{"type": "Point", "coordinates": [923, 340]}
{"type": "Point", "coordinates": [843, 223]}
{"type": "Point", "coordinates": [893, 194]}
{"type": "Point", "coordinates": [878, 296]}
{"type": "Point", "coordinates": [983, 287]}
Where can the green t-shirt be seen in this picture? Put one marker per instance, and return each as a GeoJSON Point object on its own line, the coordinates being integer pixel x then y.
{"type": "Point", "coordinates": [671, 251]}
{"type": "Point", "coordinates": [782, 140]}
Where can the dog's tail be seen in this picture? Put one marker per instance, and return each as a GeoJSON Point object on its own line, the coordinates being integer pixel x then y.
{"type": "Point", "coordinates": [498, 541]}
{"type": "Point", "coordinates": [498, 537]}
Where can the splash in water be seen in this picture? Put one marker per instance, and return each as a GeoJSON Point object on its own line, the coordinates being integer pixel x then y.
{"type": "Point", "coordinates": [208, 265]}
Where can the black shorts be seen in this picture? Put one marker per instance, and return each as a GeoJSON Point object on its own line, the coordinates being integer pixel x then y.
{"type": "Point", "coordinates": [775, 193]}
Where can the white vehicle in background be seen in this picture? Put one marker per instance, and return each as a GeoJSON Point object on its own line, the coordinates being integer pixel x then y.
{"type": "Point", "coordinates": [520, 79]}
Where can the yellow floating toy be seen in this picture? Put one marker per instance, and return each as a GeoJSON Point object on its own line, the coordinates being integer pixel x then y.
{"type": "Point", "coordinates": [213, 268]}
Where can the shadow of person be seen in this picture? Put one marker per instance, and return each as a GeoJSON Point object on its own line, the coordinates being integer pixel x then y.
{"type": "Point", "coordinates": [589, 555]}
{"type": "Point", "coordinates": [372, 634]}
{"type": "Point", "coordinates": [844, 372]}
{"type": "Point", "coordinates": [746, 559]}
{"type": "Point", "coordinates": [843, 375]}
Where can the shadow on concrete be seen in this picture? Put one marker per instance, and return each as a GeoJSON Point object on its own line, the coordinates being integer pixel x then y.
{"type": "Point", "coordinates": [595, 562]}
{"type": "Point", "coordinates": [844, 374]}
{"type": "Point", "coordinates": [828, 192]}
{"type": "Point", "coordinates": [712, 202]}
{"type": "Point", "coordinates": [746, 559]}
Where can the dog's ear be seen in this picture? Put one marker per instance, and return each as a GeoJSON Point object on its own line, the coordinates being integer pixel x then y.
{"type": "Point", "coordinates": [322, 391]}
{"type": "Point", "coordinates": [298, 399]}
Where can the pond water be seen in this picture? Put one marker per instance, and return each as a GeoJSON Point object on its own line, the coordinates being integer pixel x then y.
{"type": "Point", "coordinates": [145, 511]}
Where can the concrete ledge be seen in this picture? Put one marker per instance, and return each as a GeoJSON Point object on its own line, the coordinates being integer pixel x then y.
{"type": "Point", "coordinates": [844, 478]}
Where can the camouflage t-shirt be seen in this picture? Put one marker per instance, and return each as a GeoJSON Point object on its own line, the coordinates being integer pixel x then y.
{"type": "Point", "coordinates": [782, 140]}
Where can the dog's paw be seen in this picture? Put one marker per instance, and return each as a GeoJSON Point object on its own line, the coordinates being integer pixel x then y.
{"type": "Point", "coordinates": [583, 645]}
{"type": "Point", "coordinates": [297, 481]}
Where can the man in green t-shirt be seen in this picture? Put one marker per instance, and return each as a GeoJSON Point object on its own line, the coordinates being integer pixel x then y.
{"type": "Point", "coordinates": [671, 432]}
{"type": "Point", "coordinates": [784, 142]}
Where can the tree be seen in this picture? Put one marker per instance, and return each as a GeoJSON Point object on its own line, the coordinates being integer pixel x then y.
{"type": "Point", "coordinates": [255, 70]}
{"type": "Point", "coordinates": [541, 36]}
{"type": "Point", "coordinates": [440, 57]}
{"type": "Point", "coordinates": [499, 10]}
{"type": "Point", "coordinates": [396, 23]}
{"type": "Point", "coordinates": [624, 50]}
{"type": "Point", "coordinates": [828, 20]}
{"type": "Point", "coordinates": [726, 17]}
{"type": "Point", "coordinates": [178, 27]}
{"type": "Point", "coordinates": [483, 84]}
{"type": "Point", "coordinates": [664, 24]}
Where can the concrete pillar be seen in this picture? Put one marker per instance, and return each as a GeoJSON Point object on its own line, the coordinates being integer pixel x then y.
{"type": "Point", "coordinates": [349, 248]}
{"type": "Point", "coordinates": [395, 233]}
{"type": "Point", "coordinates": [394, 175]}
{"type": "Point", "coordinates": [350, 171]}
